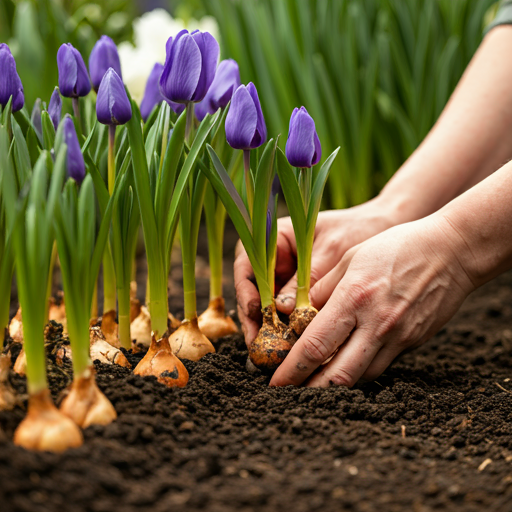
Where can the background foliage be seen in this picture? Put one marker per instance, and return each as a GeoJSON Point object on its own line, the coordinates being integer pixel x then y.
{"type": "Point", "coordinates": [375, 74]}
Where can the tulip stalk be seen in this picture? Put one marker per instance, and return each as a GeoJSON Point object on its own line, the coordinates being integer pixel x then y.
{"type": "Point", "coordinates": [44, 427]}
{"type": "Point", "coordinates": [80, 250]}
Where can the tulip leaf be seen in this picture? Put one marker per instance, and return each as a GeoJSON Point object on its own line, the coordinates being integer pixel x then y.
{"type": "Point", "coordinates": [292, 197]}
{"type": "Point", "coordinates": [48, 131]}
{"type": "Point", "coordinates": [21, 154]}
{"type": "Point", "coordinates": [263, 186]}
{"type": "Point", "coordinates": [317, 192]}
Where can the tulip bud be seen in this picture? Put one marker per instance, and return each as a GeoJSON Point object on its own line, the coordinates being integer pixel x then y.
{"type": "Point", "coordinates": [55, 107]}
{"type": "Point", "coordinates": [10, 83]}
{"type": "Point", "coordinates": [153, 96]}
{"type": "Point", "coordinates": [74, 158]}
{"type": "Point", "coordinates": [73, 77]}
{"type": "Point", "coordinates": [226, 81]}
{"type": "Point", "coordinates": [303, 147]}
{"type": "Point", "coordinates": [189, 67]}
{"type": "Point", "coordinates": [112, 105]}
{"type": "Point", "coordinates": [245, 125]}
{"type": "Point", "coordinates": [103, 56]}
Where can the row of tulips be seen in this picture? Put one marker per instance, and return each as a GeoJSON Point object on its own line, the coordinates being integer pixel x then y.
{"type": "Point", "coordinates": [79, 185]}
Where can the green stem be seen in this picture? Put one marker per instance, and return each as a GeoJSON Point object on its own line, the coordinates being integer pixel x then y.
{"type": "Point", "coordinates": [33, 338]}
{"type": "Point", "coordinates": [249, 188]}
{"type": "Point", "coordinates": [50, 281]}
{"type": "Point", "coordinates": [78, 329]}
{"type": "Point", "coordinates": [123, 297]}
{"type": "Point", "coordinates": [304, 253]}
{"type": "Point", "coordinates": [305, 187]}
{"type": "Point", "coordinates": [165, 137]}
{"type": "Point", "coordinates": [190, 122]}
{"type": "Point", "coordinates": [109, 281]}
{"type": "Point", "coordinates": [159, 310]}
{"type": "Point", "coordinates": [189, 288]}
{"type": "Point", "coordinates": [94, 304]}
{"type": "Point", "coordinates": [111, 158]}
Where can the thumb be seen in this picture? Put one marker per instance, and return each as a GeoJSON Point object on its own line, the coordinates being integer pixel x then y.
{"type": "Point", "coordinates": [322, 290]}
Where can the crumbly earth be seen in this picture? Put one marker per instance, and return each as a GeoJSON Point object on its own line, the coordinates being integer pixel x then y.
{"type": "Point", "coordinates": [434, 433]}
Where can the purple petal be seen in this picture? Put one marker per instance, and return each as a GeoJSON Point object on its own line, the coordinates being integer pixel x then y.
{"type": "Point", "coordinates": [260, 135]}
{"type": "Point", "coordinates": [182, 69]}
{"type": "Point", "coordinates": [209, 49]}
{"type": "Point", "coordinates": [73, 77]}
{"type": "Point", "coordinates": [74, 158]}
{"type": "Point", "coordinates": [302, 150]}
{"type": "Point", "coordinates": [112, 105]}
{"type": "Point", "coordinates": [241, 120]}
{"type": "Point", "coordinates": [55, 107]}
{"type": "Point", "coordinates": [104, 55]}
{"type": "Point", "coordinates": [152, 95]}
{"type": "Point", "coordinates": [10, 83]}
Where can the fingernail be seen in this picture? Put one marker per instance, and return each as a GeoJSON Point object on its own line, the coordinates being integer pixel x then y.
{"type": "Point", "coordinates": [283, 299]}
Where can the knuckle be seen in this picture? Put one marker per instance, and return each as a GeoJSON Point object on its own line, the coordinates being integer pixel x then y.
{"type": "Point", "coordinates": [388, 321]}
{"type": "Point", "coordinates": [341, 377]}
{"type": "Point", "coordinates": [361, 295]}
{"type": "Point", "coordinates": [316, 349]}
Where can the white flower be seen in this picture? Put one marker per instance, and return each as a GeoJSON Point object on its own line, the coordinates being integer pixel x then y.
{"type": "Point", "coordinates": [151, 32]}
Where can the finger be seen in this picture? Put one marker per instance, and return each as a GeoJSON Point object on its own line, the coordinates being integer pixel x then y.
{"type": "Point", "coordinates": [386, 355]}
{"type": "Point", "coordinates": [321, 264]}
{"type": "Point", "coordinates": [350, 363]}
{"type": "Point", "coordinates": [250, 327]}
{"type": "Point", "coordinates": [328, 330]}
{"type": "Point", "coordinates": [247, 294]}
{"type": "Point", "coordinates": [325, 286]}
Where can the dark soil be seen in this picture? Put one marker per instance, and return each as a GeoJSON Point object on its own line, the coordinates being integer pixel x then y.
{"type": "Point", "coordinates": [434, 433]}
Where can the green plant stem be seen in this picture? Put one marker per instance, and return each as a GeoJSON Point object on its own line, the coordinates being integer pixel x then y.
{"type": "Point", "coordinates": [304, 254]}
{"type": "Point", "coordinates": [189, 282]}
{"type": "Point", "coordinates": [109, 276]}
{"type": "Point", "coordinates": [49, 286]}
{"type": "Point", "coordinates": [33, 338]}
{"type": "Point", "coordinates": [249, 188]}
{"type": "Point", "coordinates": [123, 297]}
{"type": "Point", "coordinates": [109, 281]}
{"type": "Point", "coordinates": [165, 137]}
{"type": "Point", "coordinates": [94, 304]}
{"type": "Point", "coordinates": [78, 329]}
{"type": "Point", "coordinates": [215, 242]}
{"type": "Point", "coordinates": [190, 123]}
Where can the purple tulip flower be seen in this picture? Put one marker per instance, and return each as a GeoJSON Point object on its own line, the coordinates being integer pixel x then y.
{"type": "Point", "coordinates": [153, 96]}
{"type": "Point", "coordinates": [10, 83]}
{"type": "Point", "coordinates": [112, 105]}
{"type": "Point", "coordinates": [55, 107]}
{"type": "Point", "coordinates": [74, 158]}
{"type": "Point", "coordinates": [189, 67]}
{"type": "Point", "coordinates": [226, 81]}
{"type": "Point", "coordinates": [103, 56]}
{"type": "Point", "coordinates": [303, 147]}
{"type": "Point", "coordinates": [245, 125]}
{"type": "Point", "coordinates": [73, 78]}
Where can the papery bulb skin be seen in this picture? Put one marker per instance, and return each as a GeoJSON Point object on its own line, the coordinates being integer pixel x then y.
{"type": "Point", "coordinates": [74, 159]}
{"type": "Point", "coordinates": [303, 148]}
{"type": "Point", "coordinates": [73, 77]}
{"type": "Point", "coordinates": [214, 323]}
{"type": "Point", "coordinates": [153, 96]}
{"type": "Point", "coordinates": [140, 326]}
{"type": "Point", "coordinates": [10, 82]}
{"type": "Point", "coordinates": [103, 56]}
{"type": "Point", "coordinates": [225, 83]}
{"type": "Point", "coordinates": [45, 428]}
{"type": "Point", "coordinates": [190, 65]}
{"type": "Point", "coordinates": [245, 124]}
{"type": "Point", "coordinates": [301, 318]}
{"type": "Point", "coordinates": [16, 327]}
{"type": "Point", "coordinates": [273, 343]}
{"type": "Point", "coordinates": [103, 351]}
{"type": "Point", "coordinates": [85, 404]}
{"type": "Point", "coordinates": [110, 328]}
{"type": "Point", "coordinates": [7, 394]}
{"type": "Point", "coordinates": [161, 363]}
{"type": "Point", "coordinates": [188, 342]}
{"type": "Point", "coordinates": [55, 108]}
{"type": "Point", "coordinates": [20, 365]}
{"type": "Point", "coordinates": [112, 105]}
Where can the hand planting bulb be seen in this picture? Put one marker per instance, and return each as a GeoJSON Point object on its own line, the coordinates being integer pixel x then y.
{"type": "Point", "coordinates": [10, 83]}
{"type": "Point", "coordinates": [103, 56]}
{"type": "Point", "coordinates": [303, 150]}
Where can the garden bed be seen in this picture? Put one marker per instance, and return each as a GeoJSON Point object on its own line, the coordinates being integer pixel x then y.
{"type": "Point", "coordinates": [433, 433]}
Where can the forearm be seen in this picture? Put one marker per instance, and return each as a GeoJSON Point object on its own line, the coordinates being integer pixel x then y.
{"type": "Point", "coordinates": [471, 139]}
{"type": "Point", "coordinates": [479, 227]}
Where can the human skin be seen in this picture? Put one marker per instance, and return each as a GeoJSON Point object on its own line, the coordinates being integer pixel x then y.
{"type": "Point", "coordinates": [472, 138]}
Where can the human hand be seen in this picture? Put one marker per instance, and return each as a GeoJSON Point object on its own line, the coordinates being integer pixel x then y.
{"type": "Point", "coordinates": [336, 232]}
{"type": "Point", "coordinates": [388, 294]}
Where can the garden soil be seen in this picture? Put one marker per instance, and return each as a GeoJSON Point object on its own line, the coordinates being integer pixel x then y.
{"type": "Point", "coordinates": [434, 433]}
